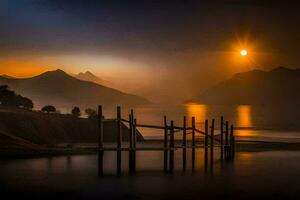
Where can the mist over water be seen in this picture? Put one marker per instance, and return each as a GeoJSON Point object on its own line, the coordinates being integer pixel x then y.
{"type": "Point", "coordinates": [267, 123]}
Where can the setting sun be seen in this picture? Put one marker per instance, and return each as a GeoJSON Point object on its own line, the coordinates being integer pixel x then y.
{"type": "Point", "coordinates": [244, 52]}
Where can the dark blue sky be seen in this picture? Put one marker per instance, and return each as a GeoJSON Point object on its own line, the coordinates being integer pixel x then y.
{"type": "Point", "coordinates": [144, 26]}
{"type": "Point", "coordinates": [167, 37]}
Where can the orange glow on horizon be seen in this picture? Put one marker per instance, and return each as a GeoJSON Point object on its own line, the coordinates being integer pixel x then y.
{"type": "Point", "coordinates": [21, 68]}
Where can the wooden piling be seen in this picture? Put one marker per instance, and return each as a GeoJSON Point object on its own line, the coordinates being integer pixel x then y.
{"type": "Point", "coordinates": [100, 128]}
{"type": "Point", "coordinates": [100, 141]}
{"type": "Point", "coordinates": [231, 142]}
{"type": "Point", "coordinates": [221, 139]}
{"type": "Point", "coordinates": [165, 145]}
{"type": "Point", "coordinates": [134, 145]}
{"type": "Point", "coordinates": [193, 143]}
{"type": "Point", "coordinates": [100, 162]}
{"type": "Point", "coordinates": [206, 145]}
{"type": "Point", "coordinates": [226, 139]}
{"type": "Point", "coordinates": [212, 136]}
{"type": "Point", "coordinates": [184, 144]}
{"type": "Point", "coordinates": [119, 141]}
{"type": "Point", "coordinates": [172, 145]}
{"type": "Point", "coordinates": [130, 143]}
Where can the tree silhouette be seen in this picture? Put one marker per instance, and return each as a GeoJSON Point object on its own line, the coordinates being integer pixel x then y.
{"type": "Point", "coordinates": [11, 99]}
{"type": "Point", "coordinates": [49, 109]}
{"type": "Point", "coordinates": [91, 113]}
{"type": "Point", "coordinates": [76, 111]}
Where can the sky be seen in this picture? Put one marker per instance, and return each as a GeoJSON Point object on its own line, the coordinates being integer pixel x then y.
{"type": "Point", "coordinates": [163, 50]}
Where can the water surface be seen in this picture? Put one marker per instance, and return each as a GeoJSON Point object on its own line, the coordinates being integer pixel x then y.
{"type": "Point", "coordinates": [249, 175]}
{"type": "Point", "coordinates": [264, 123]}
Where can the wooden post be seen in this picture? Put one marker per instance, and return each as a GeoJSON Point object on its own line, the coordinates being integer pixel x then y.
{"type": "Point", "coordinates": [130, 142]}
{"type": "Point", "coordinates": [231, 142]}
{"type": "Point", "coordinates": [212, 143]}
{"type": "Point", "coordinates": [221, 140]}
{"type": "Point", "coordinates": [100, 128]}
{"type": "Point", "coordinates": [193, 143]}
{"type": "Point", "coordinates": [165, 145]}
{"type": "Point", "coordinates": [206, 145]}
{"type": "Point", "coordinates": [134, 145]}
{"type": "Point", "coordinates": [100, 141]}
{"type": "Point", "coordinates": [184, 144]}
{"type": "Point", "coordinates": [233, 147]}
{"type": "Point", "coordinates": [226, 140]}
{"type": "Point", "coordinates": [172, 145]}
{"type": "Point", "coordinates": [119, 141]}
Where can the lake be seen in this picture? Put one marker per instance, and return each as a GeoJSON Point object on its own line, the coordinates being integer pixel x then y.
{"type": "Point", "coordinates": [270, 175]}
{"type": "Point", "coordinates": [262, 123]}
{"type": "Point", "coordinates": [250, 175]}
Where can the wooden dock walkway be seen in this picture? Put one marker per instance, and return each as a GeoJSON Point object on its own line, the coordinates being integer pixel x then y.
{"type": "Point", "coordinates": [224, 141]}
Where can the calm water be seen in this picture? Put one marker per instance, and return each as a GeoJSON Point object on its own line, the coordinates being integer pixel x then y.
{"type": "Point", "coordinates": [266, 123]}
{"type": "Point", "coordinates": [250, 175]}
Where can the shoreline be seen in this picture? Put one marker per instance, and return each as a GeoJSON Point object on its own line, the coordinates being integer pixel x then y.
{"type": "Point", "coordinates": [241, 146]}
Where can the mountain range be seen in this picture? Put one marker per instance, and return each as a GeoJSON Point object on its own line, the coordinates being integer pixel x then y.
{"type": "Point", "coordinates": [89, 76]}
{"type": "Point", "coordinates": [65, 91]}
{"type": "Point", "coordinates": [278, 86]}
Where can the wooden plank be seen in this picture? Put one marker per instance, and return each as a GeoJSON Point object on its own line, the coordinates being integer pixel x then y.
{"type": "Point", "coordinates": [171, 160]}
{"type": "Point", "coordinates": [165, 145]}
{"type": "Point", "coordinates": [109, 120]}
{"type": "Point", "coordinates": [119, 141]}
{"type": "Point", "coordinates": [150, 126]}
{"type": "Point", "coordinates": [193, 142]}
{"type": "Point", "coordinates": [124, 120]}
{"type": "Point", "coordinates": [184, 145]}
{"type": "Point", "coordinates": [152, 148]}
{"type": "Point", "coordinates": [198, 131]}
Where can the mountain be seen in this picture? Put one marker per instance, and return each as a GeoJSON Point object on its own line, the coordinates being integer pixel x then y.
{"type": "Point", "coordinates": [278, 86]}
{"type": "Point", "coordinates": [88, 76]}
{"type": "Point", "coordinates": [7, 76]}
{"type": "Point", "coordinates": [64, 91]}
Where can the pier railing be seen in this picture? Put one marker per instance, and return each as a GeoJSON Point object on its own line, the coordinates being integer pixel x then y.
{"type": "Point", "coordinates": [225, 141]}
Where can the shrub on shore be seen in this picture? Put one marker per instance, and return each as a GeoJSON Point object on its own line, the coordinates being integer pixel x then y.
{"type": "Point", "coordinates": [49, 109]}
{"type": "Point", "coordinates": [76, 111]}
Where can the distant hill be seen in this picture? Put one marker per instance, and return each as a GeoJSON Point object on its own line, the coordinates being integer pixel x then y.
{"type": "Point", "coordinates": [278, 86]}
{"type": "Point", "coordinates": [64, 91]}
{"type": "Point", "coordinates": [31, 127]}
{"type": "Point", "coordinates": [89, 76]}
{"type": "Point", "coordinates": [7, 76]}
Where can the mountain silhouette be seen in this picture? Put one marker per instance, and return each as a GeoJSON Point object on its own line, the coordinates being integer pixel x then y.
{"type": "Point", "coordinates": [89, 76]}
{"type": "Point", "coordinates": [278, 86]}
{"type": "Point", "coordinates": [64, 91]}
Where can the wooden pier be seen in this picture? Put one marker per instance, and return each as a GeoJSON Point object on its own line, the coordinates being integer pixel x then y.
{"type": "Point", "coordinates": [224, 140]}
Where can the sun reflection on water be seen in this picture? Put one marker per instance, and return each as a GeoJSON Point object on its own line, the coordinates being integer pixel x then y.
{"type": "Point", "coordinates": [199, 111]}
{"type": "Point", "coordinates": [244, 116]}
{"type": "Point", "coordinates": [244, 120]}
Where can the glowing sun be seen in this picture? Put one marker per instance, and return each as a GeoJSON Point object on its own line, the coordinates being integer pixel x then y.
{"type": "Point", "coordinates": [244, 52]}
